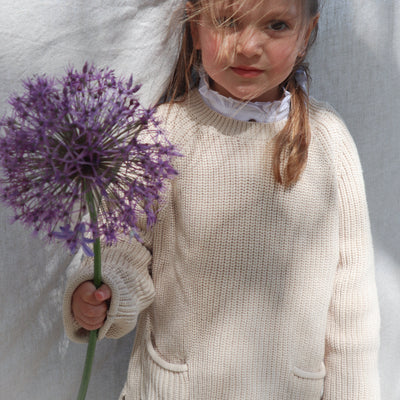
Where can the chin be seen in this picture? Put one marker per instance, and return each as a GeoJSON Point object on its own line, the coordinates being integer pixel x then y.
{"type": "Point", "coordinates": [244, 95]}
{"type": "Point", "coordinates": [247, 96]}
{"type": "Point", "coordinates": [239, 93]}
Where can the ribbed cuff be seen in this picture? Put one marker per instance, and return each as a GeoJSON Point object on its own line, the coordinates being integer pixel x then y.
{"type": "Point", "coordinates": [125, 271]}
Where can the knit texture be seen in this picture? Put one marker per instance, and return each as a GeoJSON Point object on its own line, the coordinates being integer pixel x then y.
{"type": "Point", "coordinates": [248, 290]}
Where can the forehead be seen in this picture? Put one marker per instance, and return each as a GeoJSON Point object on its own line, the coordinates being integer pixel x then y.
{"type": "Point", "coordinates": [251, 10]}
{"type": "Point", "coordinates": [245, 6]}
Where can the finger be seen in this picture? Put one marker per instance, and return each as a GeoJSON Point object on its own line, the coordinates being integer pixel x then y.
{"type": "Point", "coordinates": [88, 310]}
{"type": "Point", "coordinates": [88, 321]}
{"type": "Point", "coordinates": [89, 326]}
{"type": "Point", "coordinates": [86, 291]}
{"type": "Point", "coordinates": [103, 293]}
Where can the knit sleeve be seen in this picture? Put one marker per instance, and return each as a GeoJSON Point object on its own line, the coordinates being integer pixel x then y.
{"type": "Point", "coordinates": [125, 268]}
{"type": "Point", "coordinates": [352, 336]}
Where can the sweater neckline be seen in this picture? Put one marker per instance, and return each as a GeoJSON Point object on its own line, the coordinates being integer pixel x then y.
{"type": "Point", "coordinates": [219, 124]}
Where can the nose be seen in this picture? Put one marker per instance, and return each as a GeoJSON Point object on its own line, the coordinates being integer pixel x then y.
{"type": "Point", "coordinates": [250, 43]}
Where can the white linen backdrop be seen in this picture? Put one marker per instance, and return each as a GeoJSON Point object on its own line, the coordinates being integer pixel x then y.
{"type": "Point", "coordinates": [355, 66]}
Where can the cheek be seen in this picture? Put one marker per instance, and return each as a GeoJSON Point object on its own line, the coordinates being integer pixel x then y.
{"type": "Point", "coordinates": [284, 54]}
{"type": "Point", "coordinates": [212, 51]}
{"type": "Point", "coordinates": [210, 48]}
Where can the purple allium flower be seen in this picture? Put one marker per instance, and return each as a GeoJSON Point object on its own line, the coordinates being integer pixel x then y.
{"type": "Point", "coordinates": [86, 133]}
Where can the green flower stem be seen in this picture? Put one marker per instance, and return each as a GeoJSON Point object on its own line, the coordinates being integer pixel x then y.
{"type": "Point", "coordinates": [97, 263]}
{"type": "Point", "coordinates": [88, 365]}
{"type": "Point", "coordinates": [97, 282]}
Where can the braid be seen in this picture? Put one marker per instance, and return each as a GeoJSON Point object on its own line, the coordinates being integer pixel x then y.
{"type": "Point", "coordinates": [291, 144]}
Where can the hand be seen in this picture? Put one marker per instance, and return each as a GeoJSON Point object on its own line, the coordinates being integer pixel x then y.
{"type": "Point", "coordinates": [90, 305]}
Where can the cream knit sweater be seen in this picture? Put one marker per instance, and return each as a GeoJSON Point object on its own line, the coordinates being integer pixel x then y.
{"type": "Point", "coordinates": [247, 290]}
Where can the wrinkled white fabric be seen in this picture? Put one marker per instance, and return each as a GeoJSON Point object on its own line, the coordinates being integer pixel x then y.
{"type": "Point", "coordinates": [355, 66]}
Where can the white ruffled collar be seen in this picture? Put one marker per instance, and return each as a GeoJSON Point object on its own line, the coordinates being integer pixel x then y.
{"type": "Point", "coordinates": [265, 112]}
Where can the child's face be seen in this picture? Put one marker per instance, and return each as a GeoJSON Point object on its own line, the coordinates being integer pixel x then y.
{"type": "Point", "coordinates": [249, 56]}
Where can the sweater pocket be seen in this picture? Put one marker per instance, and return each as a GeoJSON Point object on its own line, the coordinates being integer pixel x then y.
{"type": "Point", "coordinates": [162, 380]}
{"type": "Point", "coordinates": [307, 385]}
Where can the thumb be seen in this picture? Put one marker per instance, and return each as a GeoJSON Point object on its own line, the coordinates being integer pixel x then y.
{"type": "Point", "coordinates": [103, 293]}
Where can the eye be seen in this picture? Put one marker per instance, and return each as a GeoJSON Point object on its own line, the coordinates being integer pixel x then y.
{"type": "Point", "coordinates": [278, 26]}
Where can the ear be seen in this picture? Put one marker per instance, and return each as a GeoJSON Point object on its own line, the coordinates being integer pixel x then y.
{"type": "Point", "coordinates": [310, 27]}
{"type": "Point", "coordinates": [194, 28]}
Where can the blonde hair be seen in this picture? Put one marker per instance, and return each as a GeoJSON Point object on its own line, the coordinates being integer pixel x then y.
{"type": "Point", "coordinates": [292, 142]}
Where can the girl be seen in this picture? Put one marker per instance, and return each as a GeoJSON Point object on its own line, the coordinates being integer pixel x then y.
{"type": "Point", "coordinates": [257, 281]}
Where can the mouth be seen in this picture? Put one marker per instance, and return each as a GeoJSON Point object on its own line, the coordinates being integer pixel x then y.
{"type": "Point", "coordinates": [246, 72]}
